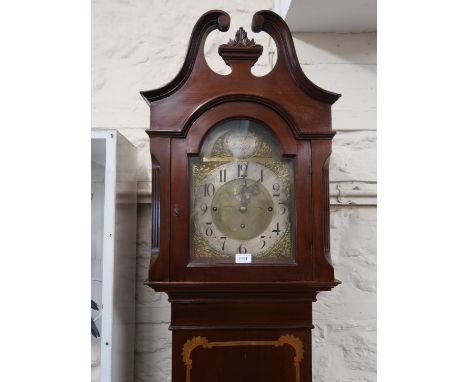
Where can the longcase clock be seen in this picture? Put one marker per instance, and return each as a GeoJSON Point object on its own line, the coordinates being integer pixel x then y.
{"type": "Point", "coordinates": [240, 221]}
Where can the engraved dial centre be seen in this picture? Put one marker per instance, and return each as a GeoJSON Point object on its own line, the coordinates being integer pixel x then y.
{"type": "Point", "coordinates": [243, 209]}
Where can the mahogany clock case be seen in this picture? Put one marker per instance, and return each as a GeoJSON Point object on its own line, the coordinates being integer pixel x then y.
{"type": "Point", "coordinates": [229, 321]}
{"type": "Point", "coordinates": [182, 114]}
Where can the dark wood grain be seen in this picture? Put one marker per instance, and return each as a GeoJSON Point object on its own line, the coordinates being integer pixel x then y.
{"type": "Point", "coordinates": [240, 311]}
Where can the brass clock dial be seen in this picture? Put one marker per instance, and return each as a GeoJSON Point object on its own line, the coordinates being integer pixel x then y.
{"type": "Point", "coordinates": [242, 209]}
{"type": "Point", "coordinates": [241, 196]}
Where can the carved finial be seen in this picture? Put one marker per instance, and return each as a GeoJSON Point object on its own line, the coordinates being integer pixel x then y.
{"type": "Point", "coordinates": [241, 40]}
{"type": "Point", "coordinates": [240, 49]}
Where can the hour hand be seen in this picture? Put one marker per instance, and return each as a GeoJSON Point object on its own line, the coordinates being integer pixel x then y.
{"type": "Point", "coordinates": [245, 194]}
{"type": "Point", "coordinates": [239, 192]}
{"type": "Point", "coordinates": [244, 203]}
{"type": "Point", "coordinates": [243, 197]}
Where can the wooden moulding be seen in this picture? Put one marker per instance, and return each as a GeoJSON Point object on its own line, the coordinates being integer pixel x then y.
{"type": "Point", "coordinates": [222, 291]}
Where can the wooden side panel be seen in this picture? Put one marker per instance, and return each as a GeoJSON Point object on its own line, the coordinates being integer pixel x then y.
{"type": "Point", "coordinates": [179, 210]}
{"type": "Point", "coordinates": [323, 270]}
{"type": "Point", "coordinates": [160, 203]}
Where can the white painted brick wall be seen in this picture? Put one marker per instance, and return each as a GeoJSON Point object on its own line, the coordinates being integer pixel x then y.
{"type": "Point", "coordinates": [139, 45]}
{"type": "Point", "coordinates": [344, 339]}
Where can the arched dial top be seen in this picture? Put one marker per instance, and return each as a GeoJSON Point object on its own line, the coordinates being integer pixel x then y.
{"type": "Point", "coordinates": [241, 196]}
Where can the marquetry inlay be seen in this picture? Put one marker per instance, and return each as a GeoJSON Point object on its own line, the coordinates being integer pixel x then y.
{"type": "Point", "coordinates": [203, 342]}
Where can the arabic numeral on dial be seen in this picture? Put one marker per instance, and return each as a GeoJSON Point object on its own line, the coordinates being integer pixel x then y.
{"type": "Point", "coordinates": [209, 189]}
{"type": "Point", "coordinates": [282, 208]}
{"type": "Point", "coordinates": [209, 230]}
{"type": "Point", "coordinates": [204, 208]}
{"type": "Point", "coordinates": [222, 176]}
{"type": "Point", "coordinates": [261, 175]}
{"type": "Point", "coordinates": [224, 242]}
{"type": "Point", "coordinates": [277, 230]}
{"type": "Point", "coordinates": [276, 188]}
{"type": "Point", "coordinates": [242, 249]}
{"type": "Point", "coordinates": [263, 241]}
